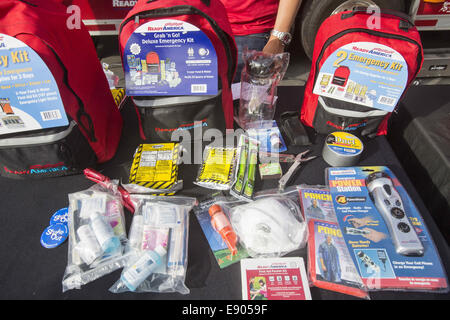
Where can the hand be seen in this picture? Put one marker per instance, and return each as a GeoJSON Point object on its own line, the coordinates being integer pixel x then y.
{"type": "Point", "coordinates": [273, 46]}
{"type": "Point", "coordinates": [374, 235]}
{"type": "Point", "coordinates": [360, 222]}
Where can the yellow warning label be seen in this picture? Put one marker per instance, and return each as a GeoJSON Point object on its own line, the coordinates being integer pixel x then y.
{"type": "Point", "coordinates": [155, 165]}
{"type": "Point", "coordinates": [218, 165]}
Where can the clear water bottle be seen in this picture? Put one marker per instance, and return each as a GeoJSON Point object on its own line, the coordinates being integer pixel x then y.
{"type": "Point", "coordinates": [135, 274]}
{"type": "Point", "coordinates": [259, 82]}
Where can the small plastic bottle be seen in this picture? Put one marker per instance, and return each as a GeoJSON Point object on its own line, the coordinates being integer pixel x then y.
{"type": "Point", "coordinates": [136, 231]}
{"type": "Point", "coordinates": [135, 274]}
{"type": "Point", "coordinates": [223, 226]}
{"type": "Point", "coordinates": [88, 247]}
{"type": "Point", "coordinates": [104, 233]}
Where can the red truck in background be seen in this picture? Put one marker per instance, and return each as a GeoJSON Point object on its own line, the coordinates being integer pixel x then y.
{"type": "Point", "coordinates": [102, 17]}
{"type": "Point", "coordinates": [431, 14]}
{"type": "Point", "coordinates": [432, 17]}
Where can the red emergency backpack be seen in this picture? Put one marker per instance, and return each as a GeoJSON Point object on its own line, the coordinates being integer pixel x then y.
{"type": "Point", "coordinates": [161, 115]}
{"type": "Point", "coordinates": [359, 67]}
{"type": "Point", "coordinates": [94, 121]}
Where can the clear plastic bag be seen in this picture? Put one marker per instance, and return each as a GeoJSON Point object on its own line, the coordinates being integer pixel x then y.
{"type": "Point", "coordinates": [223, 242]}
{"type": "Point", "coordinates": [97, 236]}
{"type": "Point", "coordinates": [270, 226]}
{"type": "Point", "coordinates": [157, 246]}
{"type": "Point", "coordinates": [260, 78]}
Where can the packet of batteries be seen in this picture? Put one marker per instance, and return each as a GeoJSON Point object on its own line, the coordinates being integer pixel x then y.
{"type": "Point", "coordinates": [247, 164]}
{"type": "Point", "coordinates": [155, 167]}
{"type": "Point", "coordinates": [217, 169]}
{"type": "Point", "coordinates": [330, 265]}
{"type": "Point", "coordinates": [157, 246]}
{"type": "Point", "coordinates": [97, 236]}
{"type": "Point", "coordinates": [268, 134]}
{"type": "Point", "coordinates": [212, 215]}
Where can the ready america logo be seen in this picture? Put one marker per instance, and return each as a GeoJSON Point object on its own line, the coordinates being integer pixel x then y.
{"type": "Point", "coordinates": [168, 26]}
{"type": "Point", "coordinates": [38, 169]}
{"type": "Point", "coordinates": [123, 4]}
{"type": "Point", "coordinates": [375, 51]}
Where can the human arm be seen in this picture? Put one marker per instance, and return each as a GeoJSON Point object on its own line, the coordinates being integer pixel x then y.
{"type": "Point", "coordinates": [287, 11]}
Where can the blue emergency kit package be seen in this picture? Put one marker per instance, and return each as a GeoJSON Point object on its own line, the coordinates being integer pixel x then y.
{"type": "Point", "coordinates": [168, 57]}
{"type": "Point", "coordinates": [384, 231]}
{"type": "Point", "coordinates": [369, 74]}
{"type": "Point", "coordinates": [30, 99]}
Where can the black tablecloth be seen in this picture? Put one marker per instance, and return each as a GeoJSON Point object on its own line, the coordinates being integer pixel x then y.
{"type": "Point", "coordinates": [29, 271]}
{"type": "Point", "coordinates": [420, 136]}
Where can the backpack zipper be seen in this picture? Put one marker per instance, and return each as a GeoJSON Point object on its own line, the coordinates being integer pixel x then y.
{"type": "Point", "coordinates": [37, 140]}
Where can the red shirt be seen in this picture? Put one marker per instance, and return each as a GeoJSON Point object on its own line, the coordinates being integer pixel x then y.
{"type": "Point", "coordinates": [251, 16]}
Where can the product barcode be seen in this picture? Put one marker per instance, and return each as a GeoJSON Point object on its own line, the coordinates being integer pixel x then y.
{"type": "Point", "coordinates": [386, 101]}
{"type": "Point", "coordinates": [50, 115]}
{"type": "Point", "coordinates": [198, 88]}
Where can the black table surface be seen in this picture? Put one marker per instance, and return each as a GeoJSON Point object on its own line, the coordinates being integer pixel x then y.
{"type": "Point", "coordinates": [420, 134]}
{"type": "Point", "coordinates": [29, 271]}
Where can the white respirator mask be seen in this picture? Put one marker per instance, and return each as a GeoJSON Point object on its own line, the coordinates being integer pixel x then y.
{"type": "Point", "coordinates": [270, 226]}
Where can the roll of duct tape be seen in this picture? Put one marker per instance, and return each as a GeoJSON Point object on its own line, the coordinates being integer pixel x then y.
{"type": "Point", "coordinates": [342, 149]}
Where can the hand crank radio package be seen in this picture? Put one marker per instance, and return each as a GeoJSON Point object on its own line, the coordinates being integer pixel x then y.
{"type": "Point", "coordinates": [362, 64]}
{"type": "Point", "coordinates": [179, 59]}
{"type": "Point", "coordinates": [57, 113]}
{"type": "Point", "coordinates": [384, 232]}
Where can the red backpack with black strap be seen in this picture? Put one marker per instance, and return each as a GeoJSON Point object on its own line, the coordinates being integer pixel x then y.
{"type": "Point", "coordinates": [363, 62]}
{"type": "Point", "coordinates": [62, 116]}
{"type": "Point", "coordinates": [163, 105]}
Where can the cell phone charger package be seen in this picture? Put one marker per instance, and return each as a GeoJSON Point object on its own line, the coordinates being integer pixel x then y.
{"type": "Point", "coordinates": [270, 226]}
{"type": "Point", "coordinates": [384, 231]}
{"type": "Point", "coordinates": [97, 236]}
{"type": "Point", "coordinates": [157, 247]}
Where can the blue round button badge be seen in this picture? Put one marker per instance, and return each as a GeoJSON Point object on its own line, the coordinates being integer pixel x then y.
{"type": "Point", "coordinates": [54, 235]}
{"type": "Point", "coordinates": [60, 216]}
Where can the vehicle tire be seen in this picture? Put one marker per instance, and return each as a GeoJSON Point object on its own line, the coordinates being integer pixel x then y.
{"type": "Point", "coordinates": [314, 12]}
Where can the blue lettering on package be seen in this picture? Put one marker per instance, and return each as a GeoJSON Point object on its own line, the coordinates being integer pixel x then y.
{"type": "Point", "coordinates": [364, 73]}
{"type": "Point", "coordinates": [60, 216]}
{"type": "Point", "coordinates": [29, 95]}
{"type": "Point", "coordinates": [54, 235]}
{"type": "Point", "coordinates": [170, 57]}
{"type": "Point", "coordinates": [374, 253]}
